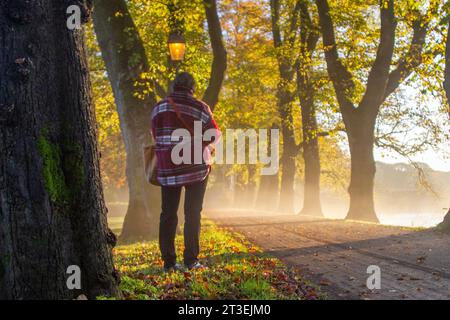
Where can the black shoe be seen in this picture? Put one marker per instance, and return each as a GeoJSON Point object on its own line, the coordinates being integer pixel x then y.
{"type": "Point", "coordinates": [176, 267]}
{"type": "Point", "coordinates": [195, 266]}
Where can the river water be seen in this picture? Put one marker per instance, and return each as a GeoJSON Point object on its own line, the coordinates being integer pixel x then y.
{"type": "Point", "coordinates": [411, 219]}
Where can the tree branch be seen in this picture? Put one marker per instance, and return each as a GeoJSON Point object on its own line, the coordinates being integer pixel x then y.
{"type": "Point", "coordinates": [125, 63]}
{"type": "Point", "coordinates": [160, 91]}
{"type": "Point", "coordinates": [275, 16]}
{"type": "Point", "coordinates": [294, 24]}
{"type": "Point", "coordinates": [411, 60]}
{"type": "Point", "coordinates": [219, 64]}
{"type": "Point", "coordinates": [340, 76]}
{"type": "Point", "coordinates": [303, 64]}
{"type": "Point", "coordinates": [447, 67]}
{"type": "Point", "coordinates": [291, 34]}
{"type": "Point", "coordinates": [308, 30]}
{"type": "Point", "coordinates": [379, 74]}
{"type": "Point", "coordinates": [287, 65]}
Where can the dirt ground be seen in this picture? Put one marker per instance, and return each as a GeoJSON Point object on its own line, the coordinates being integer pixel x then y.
{"type": "Point", "coordinates": [335, 254]}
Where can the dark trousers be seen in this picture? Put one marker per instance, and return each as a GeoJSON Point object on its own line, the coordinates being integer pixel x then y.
{"type": "Point", "coordinates": [193, 203]}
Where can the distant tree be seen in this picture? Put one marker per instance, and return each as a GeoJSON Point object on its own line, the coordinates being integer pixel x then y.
{"type": "Point", "coordinates": [285, 25]}
{"type": "Point", "coordinates": [360, 118]}
{"type": "Point", "coordinates": [110, 140]}
{"type": "Point", "coordinates": [52, 212]}
{"type": "Point", "coordinates": [307, 92]}
{"type": "Point", "coordinates": [248, 100]}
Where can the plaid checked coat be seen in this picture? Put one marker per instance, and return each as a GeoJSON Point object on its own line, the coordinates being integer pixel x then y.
{"type": "Point", "coordinates": [164, 121]}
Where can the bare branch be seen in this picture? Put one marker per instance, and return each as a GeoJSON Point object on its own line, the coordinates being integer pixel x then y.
{"type": "Point", "coordinates": [421, 174]}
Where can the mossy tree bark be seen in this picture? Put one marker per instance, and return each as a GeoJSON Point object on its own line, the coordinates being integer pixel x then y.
{"type": "Point", "coordinates": [52, 212]}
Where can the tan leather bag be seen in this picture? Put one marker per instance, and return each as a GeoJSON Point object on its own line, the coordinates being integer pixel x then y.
{"type": "Point", "coordinates": [150, 164]}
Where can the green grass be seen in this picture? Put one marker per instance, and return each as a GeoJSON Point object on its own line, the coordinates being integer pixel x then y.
{"type": "Point", "coordinates": [236, 270]}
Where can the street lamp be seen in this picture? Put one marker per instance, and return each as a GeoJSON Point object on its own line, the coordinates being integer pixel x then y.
{"type": "Point", "coordinates": [177, 47]}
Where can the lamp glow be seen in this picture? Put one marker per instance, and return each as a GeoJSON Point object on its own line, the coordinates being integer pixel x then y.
{"type": "Point", "coordinates": [177, 47]}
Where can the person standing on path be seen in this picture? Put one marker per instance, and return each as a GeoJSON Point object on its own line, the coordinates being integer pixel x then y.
{"type": "Point", "coordinates": [181, 110]}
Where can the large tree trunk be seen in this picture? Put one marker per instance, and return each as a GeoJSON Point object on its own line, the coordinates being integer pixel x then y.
{"type": "Point", "coordinates": [52, 212]}
{"type": "Point", "coordinates": [445, 225]}
{"type": "Point", "coordinates": [447, 66]}
{"type": "Point", "coordinates": [125, 59]}
{"type": "Point", "coordinates": [311, 200]}
{"type": "Point", "coordinates": [381, 82]}
{"type": "Point", "coordinates": [361, 142]}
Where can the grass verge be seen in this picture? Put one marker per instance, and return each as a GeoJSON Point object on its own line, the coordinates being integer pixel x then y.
{"type": "Point", "coordinates": [236, 270]}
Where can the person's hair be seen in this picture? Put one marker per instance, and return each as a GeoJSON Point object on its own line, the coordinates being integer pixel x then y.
{"type": "Point", "coordinates": [184, 80]}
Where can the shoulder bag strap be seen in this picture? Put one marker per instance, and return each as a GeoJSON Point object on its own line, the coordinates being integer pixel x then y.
{"type": "Point", "coordinates": [177, 112]}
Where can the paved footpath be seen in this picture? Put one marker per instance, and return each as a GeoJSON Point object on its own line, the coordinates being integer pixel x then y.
{"type": "Point", "coordinates": [335, 254]}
